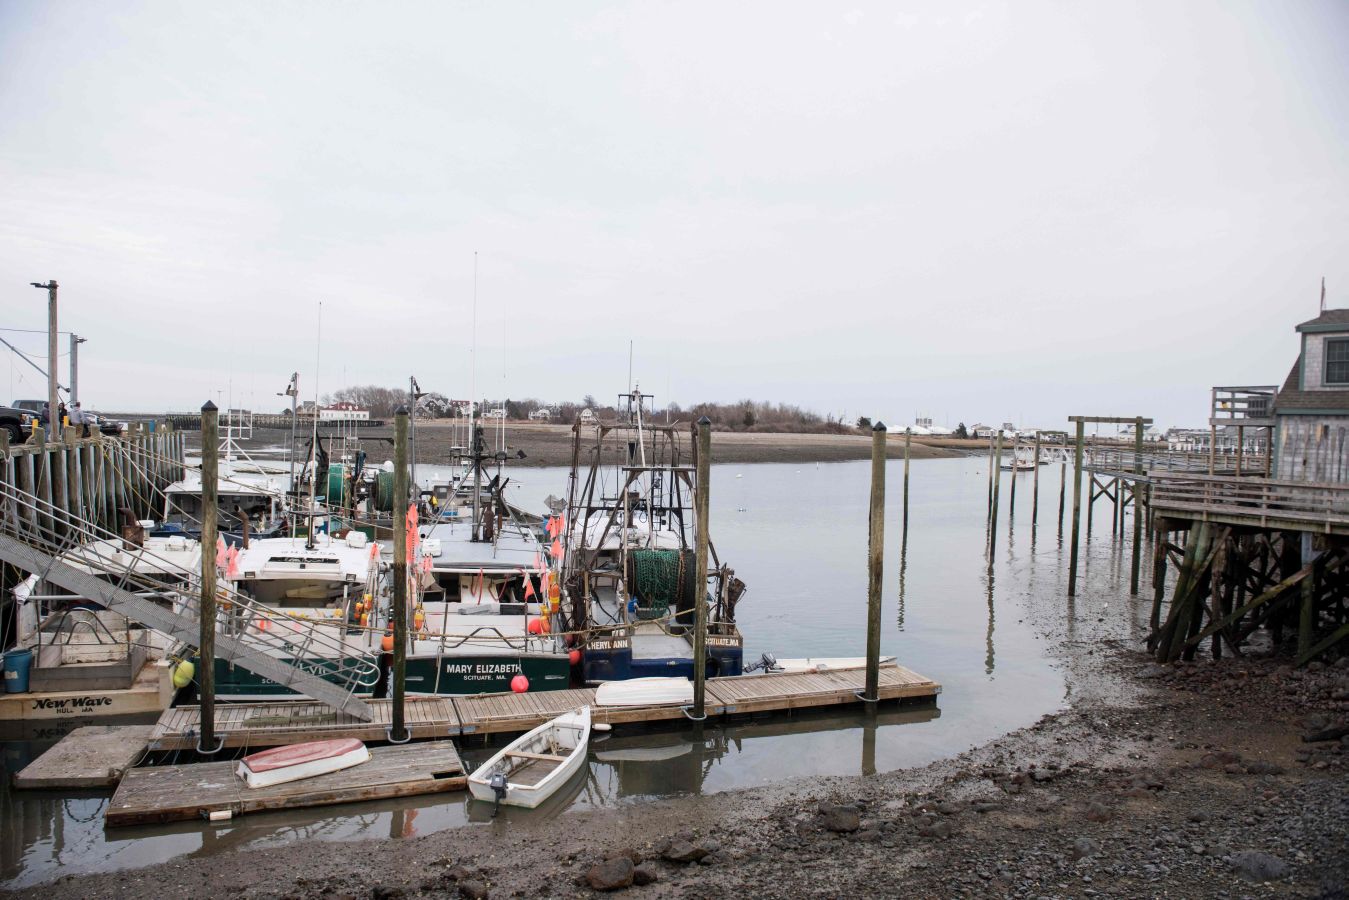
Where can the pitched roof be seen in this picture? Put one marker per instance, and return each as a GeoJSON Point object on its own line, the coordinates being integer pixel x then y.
{"type": "Point", "coordinates": [1291, 398]}
{"type": "Point", "coordinates": [1329, 318]}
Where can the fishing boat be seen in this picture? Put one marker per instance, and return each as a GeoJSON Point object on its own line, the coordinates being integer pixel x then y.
{"type": "Point", "coordinates": [251, 492]}
{"type": "Point", "coordinates": [532, 767]}
{"type": "Point", "coordinates": [307, 601]}
{"type": "Point", "coordinates": [629, 567]}
{"type": "Point", "coordinates": [480, 594]}
{"type": "Point", "coordinates": [1023, 460]}
{"type": "Point", "coordinates": [294, 762]}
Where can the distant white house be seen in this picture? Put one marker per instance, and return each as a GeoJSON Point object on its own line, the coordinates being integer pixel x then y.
{"type": "Point", "coordinates": [497, 413]}
{"type": "Point", "coordinates": [983, 431]}
{"type": "Point", "coordinates": [542, 414]}
{"type": "Point", "coordinates": [343, 412]}
{"type": "Point", "coordinates": [588, 416]}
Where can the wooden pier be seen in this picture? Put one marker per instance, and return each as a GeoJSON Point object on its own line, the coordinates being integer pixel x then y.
{"type": "Point", "coordinates": [269, 724]}
{"type": "Point", "coordinates": [196, 791]}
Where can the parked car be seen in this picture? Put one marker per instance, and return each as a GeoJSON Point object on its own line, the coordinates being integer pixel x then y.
{"type": "Point", "coordinates": [17, 423]}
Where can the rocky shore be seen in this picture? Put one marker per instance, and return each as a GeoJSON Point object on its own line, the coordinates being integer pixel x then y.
{"type": "Point", "coordinates": [1223, 779]}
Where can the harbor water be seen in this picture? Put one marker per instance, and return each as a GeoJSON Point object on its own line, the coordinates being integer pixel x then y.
{"type": "Point", "coordinates": [797, 535]}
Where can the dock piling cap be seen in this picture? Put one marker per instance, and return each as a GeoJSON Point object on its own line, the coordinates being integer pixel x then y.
{"type": "Point", "coordinates": [879, 426]}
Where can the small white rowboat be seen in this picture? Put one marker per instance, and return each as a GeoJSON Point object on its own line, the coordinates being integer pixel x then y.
{"type": "Point", "coordinates": [295, 761]}
{"type": "Point", "coordinates": [654, 691]}
{"type": "Point", "coordinates": [535, 765]}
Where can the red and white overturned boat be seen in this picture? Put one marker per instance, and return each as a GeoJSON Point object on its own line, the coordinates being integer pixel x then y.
{"type": "Point", "coordinates": [296, 761]}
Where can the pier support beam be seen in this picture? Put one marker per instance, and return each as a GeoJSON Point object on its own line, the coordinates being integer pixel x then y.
{"type": "Point", "coordinates": [996, 495]}
{"type": "Point", "coordinates": [210, 516]}
{"type": "Point", "coordinates": [1077, 508]}
{"type": "Point", "coordinates": [1035, 485]}
{"type": "Point", "coordinates": [875, 561]}
{"type": "Point", "coordinates": [701, 498]}
{"type": "Point", "coordinates": [1138, 507]}
{"type": "Point", "coordinates": [908, 435]}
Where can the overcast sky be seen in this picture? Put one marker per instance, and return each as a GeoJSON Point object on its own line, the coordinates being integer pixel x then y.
{"type": "Point", "coordinates": [972, 211]}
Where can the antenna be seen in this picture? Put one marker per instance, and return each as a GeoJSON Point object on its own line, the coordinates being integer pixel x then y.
{"type": "Point", "coordinates": [473, 352]}
{"type": "Point", "coordinates": [314, 434]}
{"type": "Point", "coordinates": [629, 365]}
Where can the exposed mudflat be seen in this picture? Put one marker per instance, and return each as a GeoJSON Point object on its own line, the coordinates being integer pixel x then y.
{"type": "Point", "coordinates": [1186, 781]}
{"type": "Point", "coordinates": [551, 445]}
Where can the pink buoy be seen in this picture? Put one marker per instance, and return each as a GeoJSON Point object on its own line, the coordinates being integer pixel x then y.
{"type": "Point", "coordinates": [519, 684]}
{"type": "Point", "coordinates": [575, 657]}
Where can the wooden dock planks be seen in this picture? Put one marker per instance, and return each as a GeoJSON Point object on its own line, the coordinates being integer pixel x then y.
{"type": "Point", "coordinates": [175, 793]}
{"type": "Point", "coordinates": [94, 756]}
{"type": "Point", "coordinates": [268, 724]}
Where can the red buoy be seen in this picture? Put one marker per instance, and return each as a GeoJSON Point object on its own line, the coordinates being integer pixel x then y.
{"type": "Point", "coordinates": [519, 684]}
{"type": "Point", "coordinates": [575, 657]}
{"type": "Point", "coordinates": [537, 626]}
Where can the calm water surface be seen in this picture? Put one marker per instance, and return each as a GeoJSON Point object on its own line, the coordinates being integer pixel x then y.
{"type": "Point", "coordinates": [796, 533]}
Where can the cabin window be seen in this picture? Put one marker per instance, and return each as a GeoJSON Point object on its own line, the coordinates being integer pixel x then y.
{"type": "Point", "coordinates": [1337, 361]}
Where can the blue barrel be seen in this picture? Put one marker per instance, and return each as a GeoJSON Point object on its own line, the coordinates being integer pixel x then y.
{"type": "Point", "coordinates": [17, 664]}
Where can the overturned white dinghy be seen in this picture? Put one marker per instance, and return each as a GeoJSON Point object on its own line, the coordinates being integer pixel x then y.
{"type": "Point", "coordinates": [654, 691]}
{"type": "Point", "coordinates": [296, 761]}
{"type": "Point", "coordinates": [535, 765]}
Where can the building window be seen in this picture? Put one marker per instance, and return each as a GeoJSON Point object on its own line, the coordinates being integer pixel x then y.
{"type": "Point", "coordinates": [1337, 361]}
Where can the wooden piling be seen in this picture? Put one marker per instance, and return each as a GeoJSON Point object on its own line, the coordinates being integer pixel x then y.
{"type": "Point", "coordinates": [997, 493]}
{"type": "Point", "coordinates": [908, 434]}
{"type": "Point", "coordinates": [992, 467]}
{"type": "Point", "coordinates": [875, 562]}
{"type": "Point", "coordinates": [1063, 482]}
{"type": "Point", "coordinates": [1307, 614]}
{"type": "Point", "coordinates": [210, 502]}
{"type": "Point", "coordinates": [1011, 499]}
{"type": "Point", "coordinates": [1077, 509]}
{"type": "Point", "coordinates": [1035, 485]}
{"type": "Point", "coordinates": [397, 729]}
{"type": "Point", "coordinates": [701, 499]}
{"type": "Point", "coordinates": [1158, 584]}
{"type": "Point", "coordinates": [1138, 508]}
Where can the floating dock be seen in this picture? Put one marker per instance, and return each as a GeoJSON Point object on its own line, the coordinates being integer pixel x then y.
{"type": "Point", "coordinates": [94, 756]}
{"type": "Point", "coordinates": [196, 791]}
{"type": "Point", "coordinates": [273, 723]}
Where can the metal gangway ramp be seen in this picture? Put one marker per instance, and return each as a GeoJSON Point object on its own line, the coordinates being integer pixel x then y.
{"type": "Point", "coordinates": [43, 540]}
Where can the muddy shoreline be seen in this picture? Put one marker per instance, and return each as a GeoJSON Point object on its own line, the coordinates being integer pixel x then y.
{"type": "Point", "coordinates": [1190, 781]}
{"type": "Point", "coordinates": [551, 445]}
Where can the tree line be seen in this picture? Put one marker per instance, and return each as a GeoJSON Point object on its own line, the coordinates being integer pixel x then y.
{"type": "Point", "coordinates": [743, 415]}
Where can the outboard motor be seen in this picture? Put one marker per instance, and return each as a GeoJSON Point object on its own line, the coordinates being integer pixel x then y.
{"type": "Point", "coordinates": [498, 785]}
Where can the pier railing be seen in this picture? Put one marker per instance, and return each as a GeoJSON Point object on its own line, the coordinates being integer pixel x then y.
{"type": "Point", "coordinates": [1121, 459]}
{"type": "Point", "coordinates": [1256, 502]}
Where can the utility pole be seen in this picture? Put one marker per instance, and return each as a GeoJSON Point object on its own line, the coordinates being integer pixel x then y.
{"type": "Point", "coordinates": [53, 402]}
{"type": "Point", "coordinates": [75, 341]}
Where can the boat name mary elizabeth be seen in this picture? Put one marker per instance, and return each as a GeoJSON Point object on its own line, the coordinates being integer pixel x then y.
{"type": "Point", "coordinates": [481, 670]}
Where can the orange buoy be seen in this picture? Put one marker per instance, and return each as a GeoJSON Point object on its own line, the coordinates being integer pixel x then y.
{"type": "Point", "coordinates": [519, 684]}
{"type": "Point", "coordinates": [575, 657]}
{"type": "Point", "coordinates": [365, 620]}
{"type": "Point", "coordinates": [386, 642]}
{"type": "Point", "coordinates": [537, 626]}
{"type": "Point", "coordinates": [418, 620]}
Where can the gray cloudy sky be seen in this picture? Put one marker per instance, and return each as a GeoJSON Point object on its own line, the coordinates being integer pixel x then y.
{"type": "Point", "coordinates": [975, 211]}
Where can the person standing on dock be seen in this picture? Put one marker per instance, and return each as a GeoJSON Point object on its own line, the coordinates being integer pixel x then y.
{"type": "Point", "coordinates": [78, 419]}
